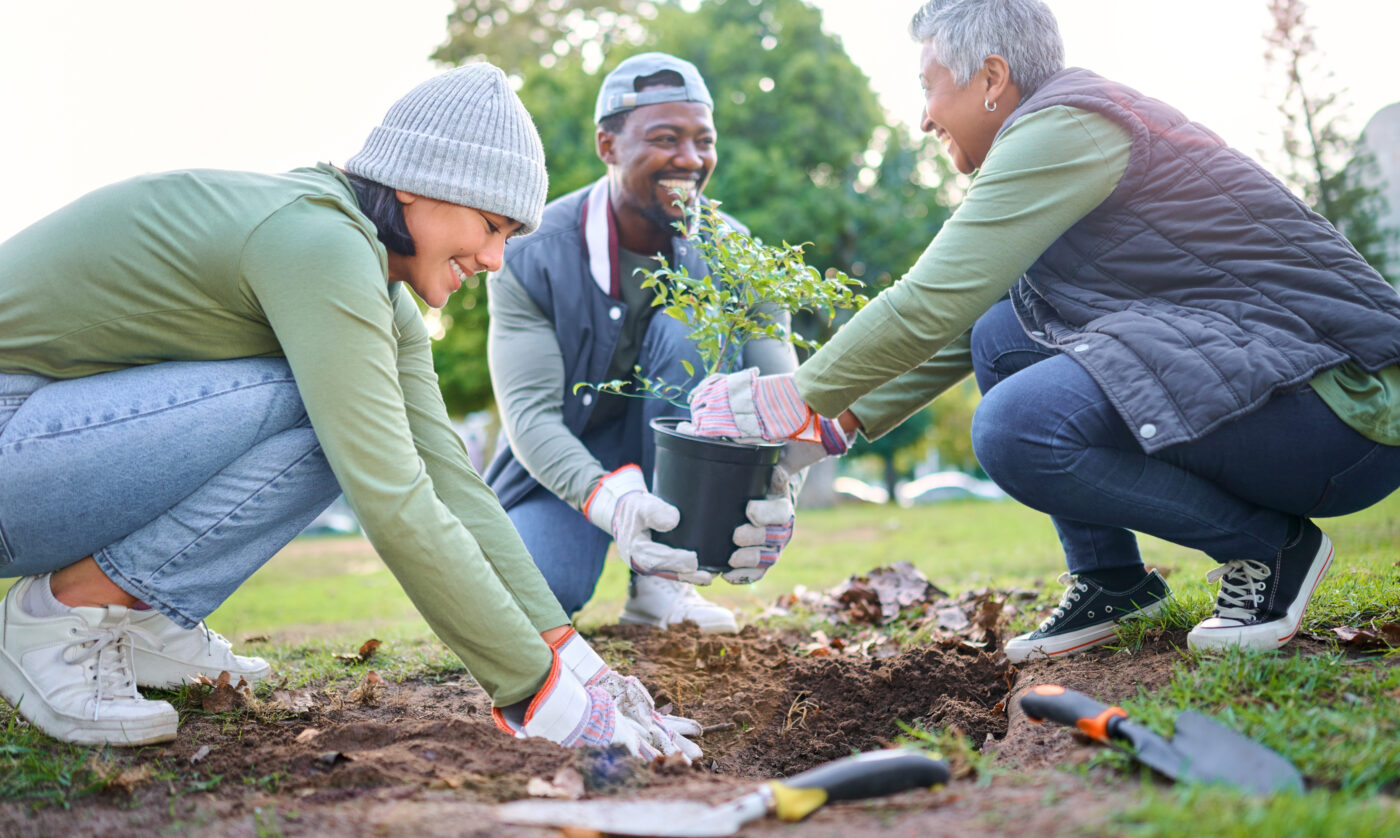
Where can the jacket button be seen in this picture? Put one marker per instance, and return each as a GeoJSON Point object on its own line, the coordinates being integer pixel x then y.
{"type": "Point", "coordinates": [587, 399]}
{"type": "Point", "coordinates": [1148, 431]}
{"type": "Point", "coordinates": [1083, 347]}
{"type": "Point", "coordinates": [614, 312]}
{"type": "Point", "coordinates": [1037, 334]}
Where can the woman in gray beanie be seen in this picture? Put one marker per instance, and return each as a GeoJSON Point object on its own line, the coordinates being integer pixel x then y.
{"type": "Point", "coordinates": [194, 364]}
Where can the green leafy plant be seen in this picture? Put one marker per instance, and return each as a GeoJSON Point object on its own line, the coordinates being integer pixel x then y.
{"type": "Point", "coordinates": [749, 283]}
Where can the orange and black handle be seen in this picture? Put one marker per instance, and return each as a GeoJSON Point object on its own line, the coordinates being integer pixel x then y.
{"type": "Point", "coordinates": [1073, 709]}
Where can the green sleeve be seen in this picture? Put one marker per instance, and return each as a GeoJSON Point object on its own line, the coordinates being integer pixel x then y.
{"type": "Point", "coordinates": [527, 377]}
{"type": "Point", "coordinates": [1044, 174]}
{"type": "Point", "coordinates": [887, 406]}
{"type": "Point", "coordinates": [457, 484]}
{"type": "Point", "coordinates": [329, 307]}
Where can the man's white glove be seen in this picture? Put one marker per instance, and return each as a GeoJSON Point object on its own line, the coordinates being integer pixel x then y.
{"type": "Point", "coordinates": [622, 507]}
{"type": "Point", "coordinates": [667, 734]}
{"type": "Point", "coordinates": [761, 541]}
{"type": "Point", "coordinates": [569, 712]}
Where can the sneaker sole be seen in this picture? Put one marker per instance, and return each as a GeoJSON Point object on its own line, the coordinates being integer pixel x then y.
{"type": "Point", "coordinates": [1266, 635]}
{"type": "Point", "coordinates": [1075, 642]}
{"type": "Point", "coordinates": [162, 673]}
{"type": "Point", "coordinates": [706, 628]}
{"type": "Point", "coordinates": [15, 686]}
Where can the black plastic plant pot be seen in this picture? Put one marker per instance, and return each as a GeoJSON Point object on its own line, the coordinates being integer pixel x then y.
{"type": "Point", "coordinates": [711, 482]}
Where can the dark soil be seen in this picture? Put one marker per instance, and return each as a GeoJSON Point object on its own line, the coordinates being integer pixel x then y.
{"type": "Point", "coordinates": [422, 758]}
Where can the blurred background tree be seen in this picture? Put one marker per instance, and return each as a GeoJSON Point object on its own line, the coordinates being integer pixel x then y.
{"type": "Point", "coordinates": [805, 152]}
{"type": "Point", "coordinates": [1323, 162]}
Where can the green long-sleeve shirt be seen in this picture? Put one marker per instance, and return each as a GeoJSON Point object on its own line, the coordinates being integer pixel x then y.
{"type": "Point", "coordinates": [1044, 174]}
{"type": "Point", "coordinates": [209, 265]}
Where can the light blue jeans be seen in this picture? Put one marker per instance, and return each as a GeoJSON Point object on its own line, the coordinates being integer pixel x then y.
{"type": "Point", "coordinates": [567, 548]}
{"type": "Point", "coordinates": [180, 479]}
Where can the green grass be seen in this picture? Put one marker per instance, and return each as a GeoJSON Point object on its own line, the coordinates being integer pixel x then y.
{"type": "Point", "coordinates": [1332, 714]}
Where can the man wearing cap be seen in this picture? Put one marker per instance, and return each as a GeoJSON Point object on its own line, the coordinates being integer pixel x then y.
{"type": "Point", "coordinates": [568, 307]}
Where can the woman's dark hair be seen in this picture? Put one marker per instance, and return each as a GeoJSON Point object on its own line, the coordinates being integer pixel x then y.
{"type": "Point", "coordinates": [379, 203]}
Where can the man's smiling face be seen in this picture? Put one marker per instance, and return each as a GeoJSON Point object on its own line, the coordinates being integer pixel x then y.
{"type": "Point", "coordinates": [661, 149]}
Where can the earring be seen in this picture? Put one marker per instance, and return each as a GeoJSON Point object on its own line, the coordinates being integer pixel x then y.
{"type": "Point", "coordinates": [990, 106]}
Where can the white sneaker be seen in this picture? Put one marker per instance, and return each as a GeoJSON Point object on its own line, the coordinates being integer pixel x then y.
{"type": "Point", "coordinates": [174, 655]}
{"type": "Point", "coordinates": [71, 676]}
{"type": "Point", "coordinates": [659, 602]}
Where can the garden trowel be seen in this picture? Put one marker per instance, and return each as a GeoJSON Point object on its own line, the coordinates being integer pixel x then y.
{"type": "Point", "coordinates": [854, 778]}
{"type": "Point", "coordinates": [1202, 751]}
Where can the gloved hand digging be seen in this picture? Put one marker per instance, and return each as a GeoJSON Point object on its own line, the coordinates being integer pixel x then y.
{"type": "Point", "coordinates": [622, 507]}
{"type": "Point", "coordinates": [666, 734]}
{"type": "Point", "coordinates": [569, 712]}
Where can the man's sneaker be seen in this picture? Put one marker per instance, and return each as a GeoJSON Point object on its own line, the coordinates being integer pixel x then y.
{"type": "Point", "coordinates": [71, 676]}
{"type": "Point", "coordinates": [1088, 616]}
{"type": "Point", "coordinates": [173, 655]}
{"type": "Point", "coordinates": [654, 601]}
{"type": "Point", "coordinates": [1261, 604]}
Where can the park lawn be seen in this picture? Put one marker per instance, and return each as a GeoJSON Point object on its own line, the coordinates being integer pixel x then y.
{"type": "Point", "coordinates": [1331, 713]}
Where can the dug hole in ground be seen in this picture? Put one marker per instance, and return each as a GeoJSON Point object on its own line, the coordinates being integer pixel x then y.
{"type": "Point", "coordinates": [422, 757]}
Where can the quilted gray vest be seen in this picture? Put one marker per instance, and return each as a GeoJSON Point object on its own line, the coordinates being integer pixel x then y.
{"type": "Point", "coordinates": [1201, 285]}
{"type": "Point", "coordinates": [551, 265]}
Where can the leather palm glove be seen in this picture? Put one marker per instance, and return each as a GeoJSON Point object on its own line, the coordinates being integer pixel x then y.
{"type": "Point", "coordinates": [666, 734]}
{"type": "Point", "coordinates": [621, 506]}
{"type": "Point", "coordinates": [573, 714]}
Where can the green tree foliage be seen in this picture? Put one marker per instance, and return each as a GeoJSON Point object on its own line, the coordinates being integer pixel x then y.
{"type": "Point", "coordinates": [805, 152]}
{"type": "Point", "coordinates": [1324, 164]}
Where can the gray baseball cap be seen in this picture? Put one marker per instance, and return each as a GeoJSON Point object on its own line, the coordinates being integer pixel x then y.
{"type": "Point", "coordinates": [619, 91]}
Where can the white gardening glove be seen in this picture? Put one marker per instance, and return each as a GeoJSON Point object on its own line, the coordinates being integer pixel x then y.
{"type": "Point", "coordinates": [761, 541]}
{"type": "Point", "coordinates": [666, 734]}
{"type": "Point", "coordinates": [567, 711]}
{"type": "Point", "coordinates": [622, 507]}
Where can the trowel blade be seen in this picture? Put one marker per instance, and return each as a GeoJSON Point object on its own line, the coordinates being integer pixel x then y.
{"type": "Point", "coordinates": [664, 819]}
{"type": "Point", "coordinates": [1217, 754]}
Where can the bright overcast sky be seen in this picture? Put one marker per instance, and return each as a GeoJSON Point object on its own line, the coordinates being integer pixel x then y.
{"type": "Point", "coordinates": [92, 91]}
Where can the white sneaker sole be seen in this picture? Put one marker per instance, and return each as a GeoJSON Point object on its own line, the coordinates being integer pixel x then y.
{"type": "Point", "coordinates": [157, 671]}
{"type": "Point", "coordinates": [1019, 650]}
{"type": "Point", "coordinates": [716, 626]}
{"type": "Point", "coordinates": [20, 692]}
{"type": "Point", "coordinates": [1273, 634]}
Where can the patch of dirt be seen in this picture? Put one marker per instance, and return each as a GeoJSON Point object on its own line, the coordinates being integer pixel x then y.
{"type": "Point", "coordinates": [790, 712]}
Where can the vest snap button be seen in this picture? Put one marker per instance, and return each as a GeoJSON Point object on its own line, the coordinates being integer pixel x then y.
{"type": "Point", "coordinates": [614, 312]}
{"type": "Point", "coordinates": [587, 399]}
{"type": "Point", "coordinates": [1148, 431]}
{"type": "Point", "coordinates": [1083, 347]}
{"type": "Point", "coordinates": [1037, 334]}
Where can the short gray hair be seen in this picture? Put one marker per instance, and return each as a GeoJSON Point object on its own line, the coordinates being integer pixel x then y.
{"type": "Point", "coordinates": [965, 32]}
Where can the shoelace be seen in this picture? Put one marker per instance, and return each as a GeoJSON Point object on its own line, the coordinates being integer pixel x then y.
{"type": "Point", "coordinates": [1072, 592]}
{"type": "Point", "coordinates": [111, 646]}
{"type": "Point", "coordinates": [1239, 582]}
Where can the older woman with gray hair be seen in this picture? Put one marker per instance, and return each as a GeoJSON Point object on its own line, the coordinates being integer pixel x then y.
{"type": "Point", "coordinates": [1168, 340]}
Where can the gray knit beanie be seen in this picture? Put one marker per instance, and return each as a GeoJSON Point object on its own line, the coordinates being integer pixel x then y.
{"type": "Point", "coordinates": [462, 137]}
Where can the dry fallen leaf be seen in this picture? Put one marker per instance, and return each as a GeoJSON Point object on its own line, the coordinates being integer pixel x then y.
{"type": "Point", "coordinates": [295, 702]}
{"type": "Point", "coordinates": [367, 693]}
{"type": "Point", "coordinates": [222, 697]}
{"type": "Point", "coordinates": [307, 735]}
{"type": "Point", "coordinates": [366, 652]}
{"type": "Point", "coordinates": [199, 754]}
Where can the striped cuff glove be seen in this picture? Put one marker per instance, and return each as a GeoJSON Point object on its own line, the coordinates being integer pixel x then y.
{"type": "Point", "coordinates": [748, 407]}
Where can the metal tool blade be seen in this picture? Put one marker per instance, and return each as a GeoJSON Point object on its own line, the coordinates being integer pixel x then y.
{"type": "Point", "coordinates": [1217, 754]}
{"type": "Point", "coordinates": [664, 819]}
{"type": "Point", "coordinates": [1152, 750]}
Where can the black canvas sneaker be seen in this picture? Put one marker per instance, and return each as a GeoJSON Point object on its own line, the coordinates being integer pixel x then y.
{"type": "Point", "coordinates": [1261, 604]}
{"type": "Point", "coordinates": [1088, 616]}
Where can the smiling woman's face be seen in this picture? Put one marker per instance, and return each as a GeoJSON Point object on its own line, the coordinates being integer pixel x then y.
{"type": "Point", "coordinates": [451, 242]}
{"type": "Point", "coordinates": [958, 116]}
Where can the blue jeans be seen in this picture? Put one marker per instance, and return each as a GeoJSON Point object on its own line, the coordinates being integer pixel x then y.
{"type": "Point", "coordinates": [1048, 435]}
{"type": "Point", "coordinates": [180, 479]}
{"type": "Point", "coordinates": [566, 547]}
